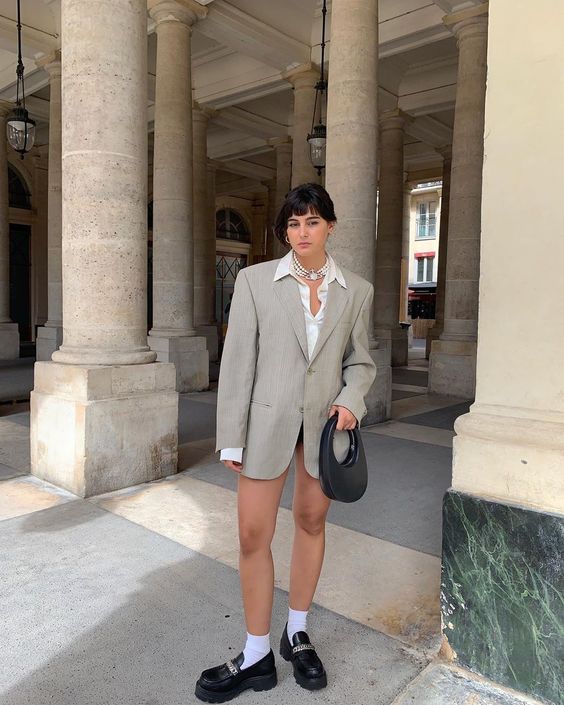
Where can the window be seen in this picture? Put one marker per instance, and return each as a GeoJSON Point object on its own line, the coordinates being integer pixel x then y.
{"type": "Point", "coordinates": [425, 267]}
{"type": "Point", "coordinates": [426, 220]}
{"type": "Point", "coordinates": [231, 226]}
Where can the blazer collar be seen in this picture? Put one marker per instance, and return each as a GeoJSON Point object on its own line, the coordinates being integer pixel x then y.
{"type": "Point", "coordinates": [288, 292]}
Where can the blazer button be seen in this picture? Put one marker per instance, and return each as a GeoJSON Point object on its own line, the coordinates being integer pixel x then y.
{"type": "Point", "coordinates": [309, 371]}
{"type": "Point", "coordinates": [301, 409]}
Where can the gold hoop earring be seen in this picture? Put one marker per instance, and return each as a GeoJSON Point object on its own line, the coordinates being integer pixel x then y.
{"type": "Point", "coordinates": [286, 238]}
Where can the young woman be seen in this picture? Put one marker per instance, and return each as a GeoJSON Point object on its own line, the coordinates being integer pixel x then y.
{"type": "Point", "coordinates": [296, 352]}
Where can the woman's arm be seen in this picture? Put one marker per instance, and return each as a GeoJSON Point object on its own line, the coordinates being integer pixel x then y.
{"type": "Point", "coordinates": [237, 370]}
{"type": "Point", "coordinates": [359, 369]}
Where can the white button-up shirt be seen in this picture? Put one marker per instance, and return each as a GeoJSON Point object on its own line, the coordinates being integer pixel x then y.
{"type": "Point", "coordinates": [312, 323]}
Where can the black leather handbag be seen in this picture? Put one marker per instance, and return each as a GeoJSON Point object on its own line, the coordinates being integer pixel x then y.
{"type": "Point", "coordinates": [345, 481]}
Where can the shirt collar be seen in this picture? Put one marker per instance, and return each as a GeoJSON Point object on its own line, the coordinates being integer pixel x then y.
{"type": "Point", "coordinates": [333, 272]}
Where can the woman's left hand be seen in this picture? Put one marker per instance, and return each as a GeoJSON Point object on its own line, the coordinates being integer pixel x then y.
{"type": "Point", "coordinates": [347, 420]}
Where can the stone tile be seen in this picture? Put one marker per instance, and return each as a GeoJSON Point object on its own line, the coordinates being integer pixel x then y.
{"type": "Point", "coordinates": [421, 404]}
{"type": "Point", "coordinates": [407, 431]}
{"type": "Point", "coordinates": [14, 445]}
{"type": "Point", "coordinates": [439, 684]}
{"type": "Point", "coordinates": [7, 472]}
{"type": "Point", "coordinates": [124, 616]}
{"type": "Point", "coordinates": [440, 418]}
{"type": "Point", "coordinates": [27, 494]}
{"type": "Point", "coordinates": [376, 583]}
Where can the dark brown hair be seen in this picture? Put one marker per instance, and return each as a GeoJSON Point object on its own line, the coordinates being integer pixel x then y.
{"type": "Point", "coordinates": [300, 200]}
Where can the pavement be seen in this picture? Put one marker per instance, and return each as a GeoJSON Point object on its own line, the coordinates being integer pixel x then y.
{"type": "Point", "coordinates": [122, 599]}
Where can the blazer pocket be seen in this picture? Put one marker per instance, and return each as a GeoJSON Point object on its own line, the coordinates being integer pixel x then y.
{"type": "Point", "coordinates": [260, 403]}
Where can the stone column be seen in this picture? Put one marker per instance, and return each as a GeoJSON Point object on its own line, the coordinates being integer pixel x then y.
{"type": "Point", "coordinates": [259, 217]}
{"type": "Point", "coordinates": [283, 149]}
{"type": "Point", "coordinates": [303, 79]}
{"type": "Point", "coordinates": [173, 336]}
{"type": "Point", "coordinates": [103, 415]}
{"type": "Point", "coordinates": [503, 527]}
{"type": "Point", "coordinates": [436, 331]}
{"type": "Point", "coordinates": [352, 125]}
{"type": "Point", "coordinates": [452, 364]}
{"type": "Point", "coordinates": [204, 235]}
{"type": "Point", "coordinates": [387, 329]}
{"type": "Point", "coordinates": [9, 334]}
{"type": "Point", "coordinates": [50, 336]}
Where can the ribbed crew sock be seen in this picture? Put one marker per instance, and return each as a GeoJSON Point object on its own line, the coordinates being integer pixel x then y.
{"type": "Point", "coordinates": [257, 647]}
{"type": "Point", "coordinates": [297, 622]}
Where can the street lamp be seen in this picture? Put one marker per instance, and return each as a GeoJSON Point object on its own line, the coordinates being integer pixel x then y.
{"type": "Point", "coordinates": [318, 136]}
{"type": "Point", "coordinates": [20, 127]}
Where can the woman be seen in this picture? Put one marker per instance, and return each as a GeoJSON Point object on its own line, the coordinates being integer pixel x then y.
{"type": "Point", "coordinates": [296, 352]}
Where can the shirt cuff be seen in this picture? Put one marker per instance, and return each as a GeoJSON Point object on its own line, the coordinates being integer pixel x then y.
{"type": "Point", "coordinates": [235, 454]}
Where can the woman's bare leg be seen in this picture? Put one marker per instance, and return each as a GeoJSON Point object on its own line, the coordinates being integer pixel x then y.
{"type": "Point", "coordinates": [258, 502]}
{"type": "Point", "coordinates": [310, 507]}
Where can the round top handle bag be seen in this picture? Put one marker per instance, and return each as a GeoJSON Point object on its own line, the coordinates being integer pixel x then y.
{"type": "Point", "coordinates": [345, 481]}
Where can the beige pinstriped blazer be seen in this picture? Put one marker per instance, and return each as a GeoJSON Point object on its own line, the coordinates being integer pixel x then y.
{"type": "Point", "coordinates": [267, 383]}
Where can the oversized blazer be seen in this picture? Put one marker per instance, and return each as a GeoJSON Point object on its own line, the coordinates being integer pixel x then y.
{"type": "Point", "coordinates": [268, 385]}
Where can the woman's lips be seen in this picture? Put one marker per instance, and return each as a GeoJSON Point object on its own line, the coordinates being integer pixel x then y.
{"type": "Point", "coordinates": [304, 244]}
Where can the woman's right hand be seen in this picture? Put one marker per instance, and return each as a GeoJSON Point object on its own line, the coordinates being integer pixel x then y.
{"type": "Point", "coordinates": [233, 465]}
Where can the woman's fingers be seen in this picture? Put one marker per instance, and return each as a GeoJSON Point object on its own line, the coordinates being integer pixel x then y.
{"type": "Point", "coordinates": [233, 465]}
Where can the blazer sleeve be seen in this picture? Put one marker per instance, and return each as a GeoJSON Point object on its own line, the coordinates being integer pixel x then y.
{"type": "Point", "coordinates": [359, 369]}
{"type": "Point", "coordinates": [237, 370]}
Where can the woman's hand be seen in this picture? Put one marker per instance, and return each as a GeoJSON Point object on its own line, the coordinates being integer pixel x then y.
{"type": "Point", "coordinates": [233, 465]}
{"type": "Point", "coordinates": [347, 420]}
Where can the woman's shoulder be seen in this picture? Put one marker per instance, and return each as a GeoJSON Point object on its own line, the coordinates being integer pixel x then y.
{"type": "Point", "coordinates": [355, 281]}
{"type": "Point", "coordinates": [262, 271]}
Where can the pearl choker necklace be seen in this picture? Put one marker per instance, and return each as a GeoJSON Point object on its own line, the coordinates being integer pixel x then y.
{"type": "Point", "coordinates": [312, 274]}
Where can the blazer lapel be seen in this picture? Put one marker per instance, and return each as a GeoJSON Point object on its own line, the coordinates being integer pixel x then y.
{"type": "Point", "coordinates": [288, 292]}
{"type": "Point", "coordinates": [337, 298]}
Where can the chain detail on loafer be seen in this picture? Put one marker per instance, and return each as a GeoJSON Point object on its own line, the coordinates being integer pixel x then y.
{"type": "Point", "coordinates": [303, 647]}
{"type": "Point", "coordinates": [231, 666]}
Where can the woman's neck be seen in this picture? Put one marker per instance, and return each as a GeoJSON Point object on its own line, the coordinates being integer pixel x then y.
{"type": "Point", "coordinates": [313, 262]}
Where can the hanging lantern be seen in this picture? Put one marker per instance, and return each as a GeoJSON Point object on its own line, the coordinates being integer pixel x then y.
{"type": "Point", "coordinates": [20, 128]}
{"type": "Point", "coordinates": [317, 138]}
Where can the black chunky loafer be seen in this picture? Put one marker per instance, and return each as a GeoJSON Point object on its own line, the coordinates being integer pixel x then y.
{"type": "Point", "coordinates": [222, 683]}
{"type": "Point", "coordinates": [308, 669]}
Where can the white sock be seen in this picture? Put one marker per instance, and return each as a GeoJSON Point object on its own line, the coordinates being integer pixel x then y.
{"type": "Point", "coordinates": [297, 622]}
{"type": "Point", "coordinates": [257, 647]}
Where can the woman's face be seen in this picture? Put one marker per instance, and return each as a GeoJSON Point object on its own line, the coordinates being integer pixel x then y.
{"type": "Point", "coordinates": [308, 234]}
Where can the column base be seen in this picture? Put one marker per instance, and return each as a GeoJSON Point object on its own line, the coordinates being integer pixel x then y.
{"type": "Point", "coordinates": [209, 332]}
{"type": "Point", "coordinates": [452, 368]}
{"type": "Point", "coordinates": [190, 357]}
{"type": "Point", "coordinates": [49, 339]}
{"type": "Point", "coordinates": [9, 341]}
{"type": "Point", "coordinates": [433, 333]}
{"type": "Point", "coordinates": [379, 399]}
{"type": "Point", "coordinates": [396, 340]}
{"type": "Point", "coordinates": [502, 573]}
{"type": "Point", "coordinates": [99, 429]}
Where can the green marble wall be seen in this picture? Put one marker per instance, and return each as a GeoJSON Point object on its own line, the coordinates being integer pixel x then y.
{"type": "Point", "coordinates": [502, 594]}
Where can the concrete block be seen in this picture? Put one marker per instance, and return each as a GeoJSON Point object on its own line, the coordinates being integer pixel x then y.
{"type": "Point", "coordinates": [452, 368]}
{"type": "Point", "coordinates": [9, 341]}
{"type": "Point", "coordinates": [190, 357]}
{"type": "Point", "coordinates": [48, 340]}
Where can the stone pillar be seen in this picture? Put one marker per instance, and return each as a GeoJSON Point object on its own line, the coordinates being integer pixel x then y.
{"type": "Point", "coordinates": [283, 149]}
{"type": "Point", "coordinates": [352, 125]}
{"type": "Point", "coordinates": [173, 336]}
{"type": "Point", "coordinates": [387, 329]}
{"type": "Point", "coordinates": [204, 235]}
{"type": "Point", "coordinates": [435, 332]}
{"type": "Point", "coordinates": [452, 364]}
{"type": "Point", "coordinates": [303, 79]}
{"type": "Point", "coordinates": [259, 217]}
{"type": "Point", "coordinates": [103, 415]}
{"type": "Point", "coordinates": [50, 336]}
{"type": "Point", "coordinates": [9, 334]}
{"type": "Point", "coordinates": [503, 537]}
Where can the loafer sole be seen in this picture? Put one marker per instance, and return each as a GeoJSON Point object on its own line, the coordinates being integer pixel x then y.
{"type": "Point", "coordinates": [257, 683]}
{"type": "Point", "coordinates": [303, 681]}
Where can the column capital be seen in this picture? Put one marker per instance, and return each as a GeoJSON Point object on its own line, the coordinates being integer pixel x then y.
{"type": "Point", "coordinates": [50, 62]}
{"type": "Point", "coordinates": [394, 120]}
{"type": "Point", "coordinates": [468, 22]}
{"type": "Point", "coordinates": [302, 76]}
{"type": "Point", "coordinates": [445, 151]}
{"type": "Point", "coordinates": [186, 12]}
{"type": "Point", "coordinates": [202, 112]}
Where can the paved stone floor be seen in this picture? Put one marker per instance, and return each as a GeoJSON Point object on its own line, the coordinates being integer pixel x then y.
{"type": "Point", "coordinates": [124, 598]}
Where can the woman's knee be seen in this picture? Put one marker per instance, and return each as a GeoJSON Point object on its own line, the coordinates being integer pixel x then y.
{"type": "Point", "coordinates": [254, 538]}
{"type": "Point", "coordinates": [312, 521]}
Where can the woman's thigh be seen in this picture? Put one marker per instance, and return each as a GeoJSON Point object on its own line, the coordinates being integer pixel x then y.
{"type": "Point", "coordinates": [257, 508]}
{"type": "Point", "coordinates": [310, 505]}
